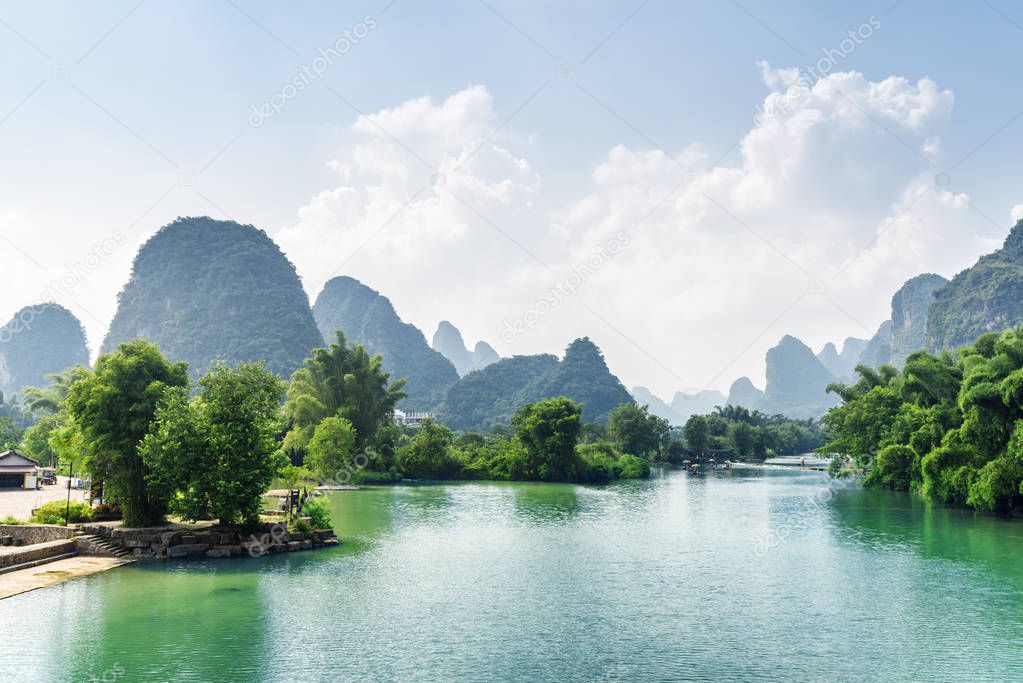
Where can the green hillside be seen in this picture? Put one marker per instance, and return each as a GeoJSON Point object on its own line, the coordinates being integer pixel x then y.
{"type": "Point", "coordinates": [207, 290]}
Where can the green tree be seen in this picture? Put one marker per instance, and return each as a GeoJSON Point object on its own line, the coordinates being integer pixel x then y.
{"type": "Point", "coordinates": [895, 466]}
{"type": "Point", "coordinates": [697, 434]}
{"type": "Point", "coordinates": [331, 450]}
{"type": "Point", "coordinates": [345, 381]}
{"type": "Point", "coordinates": [429, 453]}
{"type": "Point", "coordinates": [47, 405]}
{"type": "Point", "coordinates": [635, 431]}
{"type": "Point", "coordinates": [548, 431]}
{"type": "Point", "coordinates": [112, 408]}
{"type": "Point", "coordinates": [10, 435]}
{"type": "Point", "coordinates": [217, 450]}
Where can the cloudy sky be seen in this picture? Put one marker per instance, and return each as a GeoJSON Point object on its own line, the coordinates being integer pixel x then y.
{"type": "Point", "coordinates": [682, 182]}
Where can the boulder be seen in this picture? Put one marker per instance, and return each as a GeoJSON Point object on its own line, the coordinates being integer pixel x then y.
{"type": "Point", "coordinates": [188, 550]}
{"type": "Point", "coordinates": [169, 538]}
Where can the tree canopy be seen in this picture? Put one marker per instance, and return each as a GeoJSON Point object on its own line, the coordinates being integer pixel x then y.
{"type": "Point", "coordinates": [111, 410]}
{"type": "Point", "coordinates": [949, 426]}
{"type": "Point", "coordinates": [216, 451]}
{"type": "Point", "coordinates": [342, 380]}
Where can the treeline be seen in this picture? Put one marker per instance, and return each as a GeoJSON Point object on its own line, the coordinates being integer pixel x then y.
{"type": "Point", "coordinates": [209, 450]}
{"type": "Point", "coordinates": [735, 432]}
{"type": "Point", "coordinates": [950, 427]}
{"type": "Point", "coordinates": [546, 441]}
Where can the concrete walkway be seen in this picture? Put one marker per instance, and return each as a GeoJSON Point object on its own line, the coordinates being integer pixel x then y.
{"type": "Point", "coordinates": [24, 580]}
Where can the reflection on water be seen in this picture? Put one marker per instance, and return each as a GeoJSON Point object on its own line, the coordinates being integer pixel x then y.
{"type": "Point", "coordinates": [663, 579]}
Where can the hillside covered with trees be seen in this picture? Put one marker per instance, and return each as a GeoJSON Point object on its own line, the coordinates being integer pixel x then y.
{"type": "Point", "coordinates": [986, 297]}
{"type": "Point", "coordinates": [205, 291]}
{"type": "Point", "coordinates": [39, 341]}
{"type": "Point", "coordinates": [367, 317]}
{"type": "Point", "coordinates": [492, 395]}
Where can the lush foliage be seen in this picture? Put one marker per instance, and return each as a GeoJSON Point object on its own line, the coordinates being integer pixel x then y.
{"type": "Point", "coordinates": [366, 317]}
{"type": "Point", "coordinates": [548, 431]}
{"type": "Point", "coordinates": [216, 451]}
{"type": "Point", "coordinates": [545, 442]}
{"type": "Point", "coordinates": [207, 291]}
{"type": "Point", "coordinates": [735, 432]}
{"type": "Point", "coordinates": [111, 409]}
{"type": "Point", "coordinates": [429, 453]}
{"type": "Point", "coordinates": [54, 511]}
{"type": "Point", "coordinates": [949, 426]}
{"type": "Point", "coordinates": [46, 404]}
{"type": "Point", "coordinates": [318, 512]}
{"type": "Point", "coordinates": [635, 431]}
{"type": "Point", "coordinates": [342, 380]}
{"type": "Point", "coordinates": [331, 450]}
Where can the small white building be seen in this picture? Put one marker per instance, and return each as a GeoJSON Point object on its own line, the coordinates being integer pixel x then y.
{"type": "Point", "coordinates": [17, 471]}
{"type": "Point", "coordinates": [412, 419]}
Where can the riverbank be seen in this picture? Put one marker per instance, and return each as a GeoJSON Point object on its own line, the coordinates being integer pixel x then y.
{"type": "Point", "coordinates": [51, 573]}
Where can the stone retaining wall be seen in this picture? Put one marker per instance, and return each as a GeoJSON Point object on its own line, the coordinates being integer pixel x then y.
{"type": "Point", "coordinates": [36, 533]}
{"type": "Point", "coordinates": [158, 543]}
{"type": "Point", "coordinates": [38, 551]}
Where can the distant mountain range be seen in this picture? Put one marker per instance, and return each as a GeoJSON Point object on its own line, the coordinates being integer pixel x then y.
{"type": "Point", "coordinates": [491, 396]}
{"type": "Point", "coordinates": [683, 405]}
{"type": "Point", "coordinates": [447, 341]}
{"type": "Point", "coordinates": [208, 291]}
{"type": "Point", "coordinates": [368, 318]}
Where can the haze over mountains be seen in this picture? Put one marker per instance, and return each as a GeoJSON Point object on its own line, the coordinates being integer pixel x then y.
{"type": "Point", "coordinates": [39, 341]}
{"type": "Point", "coordinates": [447, 340]}
{"type": "Point", "coordinates": [209, 291]}
{"type": "Point", "coordinates": [368, 318]}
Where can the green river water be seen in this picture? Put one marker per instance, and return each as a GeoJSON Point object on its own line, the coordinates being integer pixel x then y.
{"type": "Point", "coordinates": [757, 574]}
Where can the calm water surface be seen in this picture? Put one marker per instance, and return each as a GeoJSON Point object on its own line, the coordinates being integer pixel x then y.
{"type": "Point", "coordinates": [740, 575]}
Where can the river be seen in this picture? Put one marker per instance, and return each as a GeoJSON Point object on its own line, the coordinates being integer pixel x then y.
{"type": "Point", "coordinates": [748, 574]}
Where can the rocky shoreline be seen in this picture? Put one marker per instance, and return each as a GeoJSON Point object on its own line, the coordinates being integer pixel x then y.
{"type": "Point", "coordinates": [169, 542]}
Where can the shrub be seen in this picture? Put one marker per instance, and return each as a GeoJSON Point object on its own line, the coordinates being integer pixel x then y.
{"type": "Point", "coordinates": [301, 526]}
{"type": "Point", "coordinates": [11, 521]}
{"type": "Point", "coordinates": [318, 513]}
{"type": "Point", "coordinates": [631, 467]}
{"type": "Point", "coordinates": [53, 512]}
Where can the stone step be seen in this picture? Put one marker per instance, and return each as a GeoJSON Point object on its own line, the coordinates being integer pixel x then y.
{"type": "Point", "coordinates": [36, 563]}
{"type": "Point", "coordinates": [97, 543]}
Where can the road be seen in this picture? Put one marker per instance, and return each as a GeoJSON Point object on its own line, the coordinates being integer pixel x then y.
{"type": "Point", "coordinates": [19, 504]}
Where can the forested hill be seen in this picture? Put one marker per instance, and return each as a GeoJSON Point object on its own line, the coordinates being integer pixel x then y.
{"type": "Point", "coordinates": [39, 341]}
{"type": "Point", "coordinates": [986, 297]}
{"type": "Point", "coordinates": [206, 290]}
{"type": "Point", "coordinates": [492, 395]}
{"type": "Point", "coordinates": [368, 318]}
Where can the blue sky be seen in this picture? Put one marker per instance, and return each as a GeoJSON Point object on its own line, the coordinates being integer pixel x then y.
{"type": "Point", "coordinates": [107, 105]}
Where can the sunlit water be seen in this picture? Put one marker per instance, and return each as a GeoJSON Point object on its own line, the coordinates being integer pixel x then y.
{"type": "Point", "coordinates": [738, 575]}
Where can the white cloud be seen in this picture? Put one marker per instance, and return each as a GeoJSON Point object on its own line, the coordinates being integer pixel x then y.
{"type": "Point", "coordinates": [1017, 213]}
{"type": "Point", "coordinates": [836, 188]}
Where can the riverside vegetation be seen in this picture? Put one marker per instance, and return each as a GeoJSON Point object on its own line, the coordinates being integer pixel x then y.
{"type": "Point", "coordinates": [949, 426]}
{"type": "Point", "coordinates": [163, 445]}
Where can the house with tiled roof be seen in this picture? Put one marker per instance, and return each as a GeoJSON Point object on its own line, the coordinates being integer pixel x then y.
{"type": "Point", "coordinates": [13, 468]}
